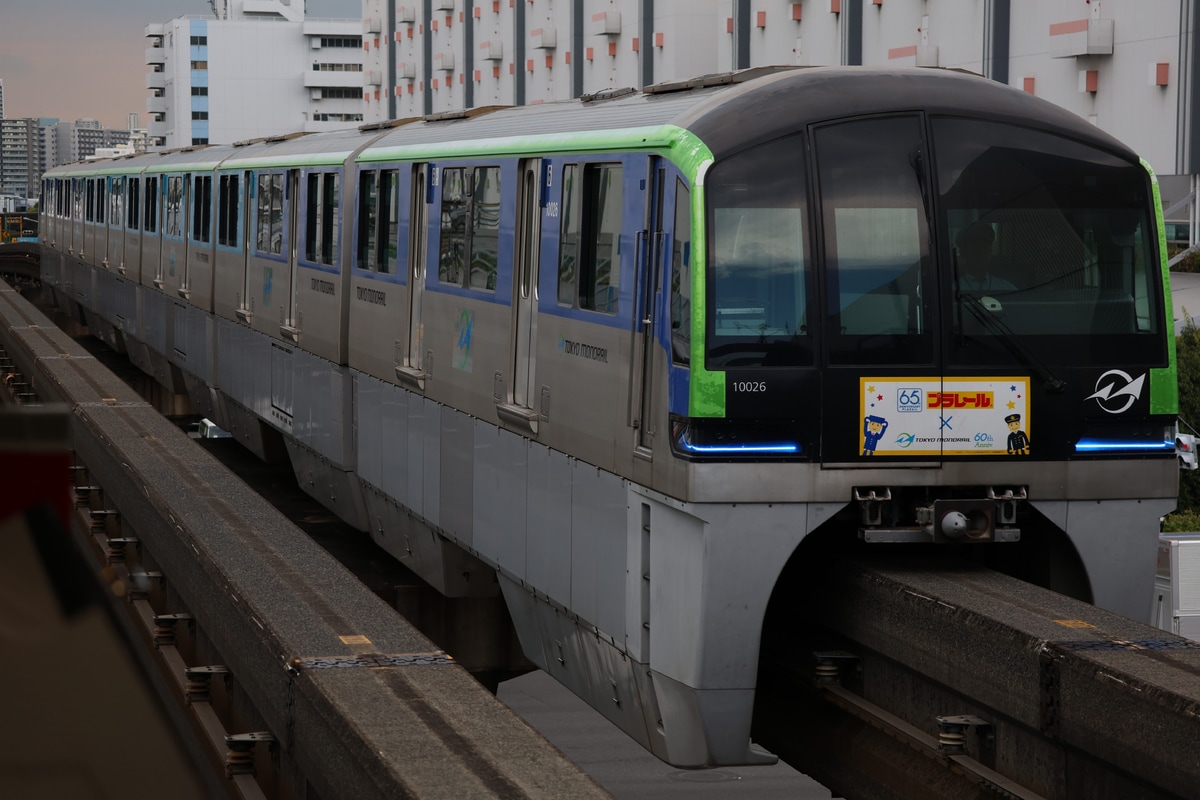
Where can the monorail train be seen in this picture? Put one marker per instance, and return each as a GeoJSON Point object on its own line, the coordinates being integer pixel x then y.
{"type": "Point", "coordinates": [631, 357]}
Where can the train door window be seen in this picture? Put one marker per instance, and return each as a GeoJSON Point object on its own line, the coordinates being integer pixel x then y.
{"type": "Point", "coordinates": [228, 210]}
{"type": "Point", "coordinates": [589, 267]}
{"type": "Point", "coordinates": [202, 208]}
{"type": "Point", "coordinates": [758, 273]}
{"type": "Point", "coordinates": [470, 227]}
{"type": "Point", "coordinates": [101, 199]}
{"type": "Point", "coordinates": [378, 220]}
{"type": "Point", "coordinates": [368, 224]}
{"type": "Point", "coordinates": [172, 224]}
{"type": "Point", "coordinates": [133, 204]}
{"type": "Point", "coordinates": [150, 220]}
{"type": "Point", "coordinates": [681, 277]}
{"type": "Point", "coordinates": [78, 190]}
{"type": "Point", "coordinates": [117, 201]}
{"type": "Point", "coordinates": [270, 213]}
{"type": "Point", "coordinates": [321, 217]}
{"type": "Point", "coordinates": [452, 251]}
{"type": "Point", "coordinates": [90, 192]}
{"type": "Point", "coordinates": [872, 178]}
{"type": "Point", "coordinates": [485, 229]}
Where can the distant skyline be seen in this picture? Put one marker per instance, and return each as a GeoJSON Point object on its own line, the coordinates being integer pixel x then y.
{"type": "Point", "coordinates": [82, 59]}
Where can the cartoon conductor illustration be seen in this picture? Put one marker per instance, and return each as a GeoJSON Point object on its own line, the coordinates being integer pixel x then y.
{"type": "Point", "coordinates": [873, 430]}
{"type": "Point", "coordinates": [1018, 442]}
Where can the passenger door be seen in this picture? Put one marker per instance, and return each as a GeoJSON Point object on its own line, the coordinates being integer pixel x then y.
{"type": "Point", "coordinates": [413, 370]}
{"type": "Point", "coordinates": [289, 324]}
{"type": "Point", "coordinates": [648, 359]}
{"type": "Point", "coordinates": [520, 406]}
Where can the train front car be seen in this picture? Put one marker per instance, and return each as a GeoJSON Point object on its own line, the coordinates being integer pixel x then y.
{"type": "Point", "coordinates": [929, 309]}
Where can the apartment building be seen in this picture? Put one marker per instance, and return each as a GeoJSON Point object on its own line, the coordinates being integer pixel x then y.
{"type": "Point", "coordinates": [257, 68]}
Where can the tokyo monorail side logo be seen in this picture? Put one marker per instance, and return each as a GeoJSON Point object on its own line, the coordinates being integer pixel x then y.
{"type": "Point", "coordinates": [1117, 391]}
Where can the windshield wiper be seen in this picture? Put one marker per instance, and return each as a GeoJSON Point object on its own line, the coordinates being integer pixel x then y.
{"type": "Point", "coordinates": [1011, 341]}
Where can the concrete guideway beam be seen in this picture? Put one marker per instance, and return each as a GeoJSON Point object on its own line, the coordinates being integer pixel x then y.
{"type": "Point", "coordinates": [339, 679]}
{"type": "Point", "coordinates": [1077, 698]}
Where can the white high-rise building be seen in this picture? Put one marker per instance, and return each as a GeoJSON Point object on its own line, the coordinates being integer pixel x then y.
{"type": "Point", "coordinates": [1, 98]}
{"type": "Point", "coordinates": [258, 68]}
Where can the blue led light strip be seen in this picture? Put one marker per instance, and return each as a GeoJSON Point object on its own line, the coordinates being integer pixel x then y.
{"type": "Point", "coordinates": [1116, 445]}
{"type": "Point", "coordinates": [784, 447]}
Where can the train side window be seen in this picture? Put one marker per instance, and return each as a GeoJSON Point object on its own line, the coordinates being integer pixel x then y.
{"type": "Point", "coordinates": [681, 277]}
{"type": "Point", "coordinates": [202, 208]}
{"type": "Point", "coordinates": [871, 174]}
{"type": "Point", "coordinates": [78, 190]}
{"type": "Point", "coordinates": [321, 214]}
{"type": "Point", "coordinates": [228, 210]}
{"type": "Point", "coordinates": [270, 213]}
{"type": "Point", "coordinates": [133, 204]}
{"type": "Point", "coordinates": [90, 193]}
{"type": "Point", "coordinates": [470, 227]}
{"type": "Point", "coordinates": [172, 225]}
{"type": "Point", "coordinates": [589, 268]}
{"type": "Point", "coordinates": [150, 222]}
{"type": "Point", "coordinates": [378, 210]}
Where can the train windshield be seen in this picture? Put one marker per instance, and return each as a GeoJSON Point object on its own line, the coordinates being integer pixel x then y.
{"type": "Point", "coordinates": [1048, 241]}
{"type": "Point", "coordinates": [758, 262]}
{"type": "Point", "coordinates": [989, 243]}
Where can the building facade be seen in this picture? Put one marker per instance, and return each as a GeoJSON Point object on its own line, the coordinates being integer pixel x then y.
{"type": "Point", "coordinates": [259, 68]}
{"type": "Point", "coordinates": [79, 140]}
{"type": "Point", "coordinates": [21, 165]}
{"type": "Point", "coordinates": [1132, 69]}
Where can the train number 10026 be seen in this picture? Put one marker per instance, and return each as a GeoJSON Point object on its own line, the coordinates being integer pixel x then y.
{"type": "Point", "coordinates": [749, 386]}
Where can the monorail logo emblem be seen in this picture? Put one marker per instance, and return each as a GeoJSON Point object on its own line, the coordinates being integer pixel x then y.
{"type": "Point", "coordinates": [1117, 391]}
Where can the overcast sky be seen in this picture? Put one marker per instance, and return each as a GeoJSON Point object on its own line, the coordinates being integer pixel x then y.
{"type": "Point", "coordinates": [76, 59]}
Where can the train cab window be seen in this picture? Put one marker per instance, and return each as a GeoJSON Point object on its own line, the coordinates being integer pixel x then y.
{"type": "Point", "coordinates": [202, 208]}
{"type": "Point", "coordinates": [270, 213]}
{"type": "Point", "coordinates": [681, 277]}
{"type": "Point", "coordinates": [133, 204]}
{"type": "Point", "coordinates": [589, 265]}
{"type": "Point", "coordinates": [229, 210]}
{"type": "Point", "coordinates": [1063, 260]}
{"type": "Point", "coordinates": [470, 227]}
{"type": "Point", "coordinates": [871, 177]}
{"type": "Point", "coordinates": [150, 220]}
{"type": "Point", "coordinates": [758, 274]}
{"type": "Point", "coordinates": [321, 218]}
{"type": "Point", "coordinates": [378, 220]}
{"type": "Point", "coordinates": [172, 216]}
